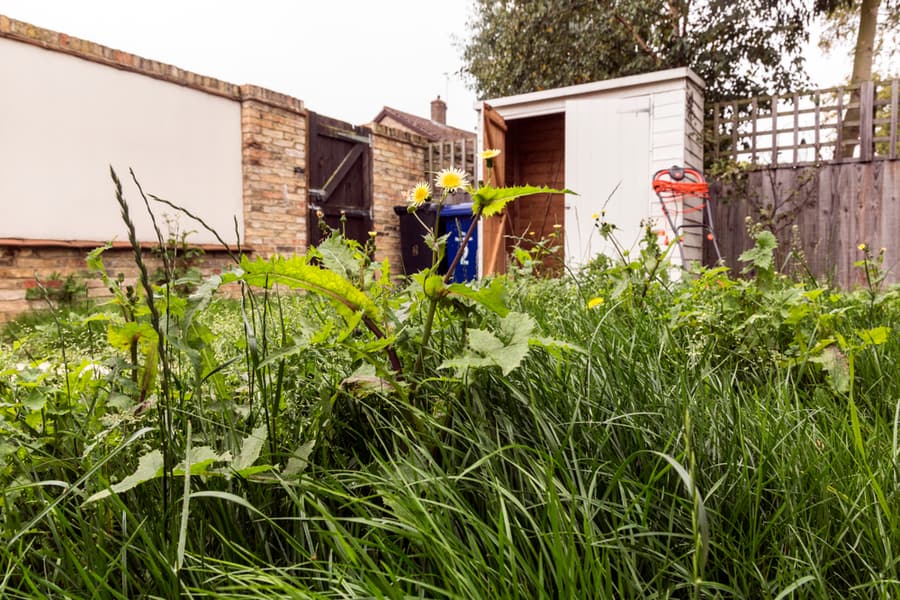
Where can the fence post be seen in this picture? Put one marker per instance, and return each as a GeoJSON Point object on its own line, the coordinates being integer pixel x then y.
{"type": "Point", "coordinates": [866, 117]}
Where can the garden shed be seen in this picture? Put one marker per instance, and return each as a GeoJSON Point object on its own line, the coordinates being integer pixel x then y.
{"type": "Point", "coordinates": [604, 140]}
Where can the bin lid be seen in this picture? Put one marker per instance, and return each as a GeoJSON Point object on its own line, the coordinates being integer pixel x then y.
{"type": "Point", "coordinates": [428, 207]}
{"type": "Point", "coordinates": [457, 210]}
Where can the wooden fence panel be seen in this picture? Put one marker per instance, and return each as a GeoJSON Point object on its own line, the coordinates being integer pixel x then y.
{"type": "Point", "coordinates": [831, 209]}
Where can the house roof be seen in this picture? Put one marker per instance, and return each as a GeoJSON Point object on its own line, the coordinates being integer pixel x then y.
{"type": "Point", "coordinates": [432, 130]}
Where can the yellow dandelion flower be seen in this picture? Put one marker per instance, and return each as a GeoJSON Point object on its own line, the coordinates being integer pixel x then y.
{"type": "Point", "coordinates": [451, 179]}
{"type": "Point", "coordinates": [420, 194]}
{"type": "Point", "coordinates": [373, 234]}
{"type": "Point", "coordinates": [595, 302]}
{"type": "Point", "coordinates": [595, 217]}
{"type": "Point", "coordinates": [863, 247]}
{"type": "Point", "coordinates": [557, 226]}
{"type": "Point", "coordinates": [489, 154]}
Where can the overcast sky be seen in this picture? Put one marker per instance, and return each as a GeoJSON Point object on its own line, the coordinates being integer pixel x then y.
{"type": "Point", "coordinates": [344, 58]}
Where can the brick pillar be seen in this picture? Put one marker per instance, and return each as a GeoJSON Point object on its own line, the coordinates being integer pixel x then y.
{"type": "Point", "coordinates": [273, 131]}
{"type": "Point", "coordinates": [398, 163]}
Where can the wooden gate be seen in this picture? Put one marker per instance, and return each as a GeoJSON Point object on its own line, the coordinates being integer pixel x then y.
{"type": "Point", "coordinates": [340, 178]}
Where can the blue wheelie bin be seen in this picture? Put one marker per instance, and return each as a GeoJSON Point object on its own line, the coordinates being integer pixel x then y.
{"type": "Point", "coordinates": [456, 220]}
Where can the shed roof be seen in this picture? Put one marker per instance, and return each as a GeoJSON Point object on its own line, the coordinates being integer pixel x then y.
{"type": "Point", "coordinates": [550, 101]}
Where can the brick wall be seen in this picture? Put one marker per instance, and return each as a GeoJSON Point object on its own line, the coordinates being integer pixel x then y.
{"type": "Point", "coordinates": [273, 131]}
{"type": "Point", "coordinates": [23, 264]}
{"type": "Point", "coordinates": [398, 160]}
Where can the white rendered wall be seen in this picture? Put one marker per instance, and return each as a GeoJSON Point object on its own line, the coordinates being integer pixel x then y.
{"type": "Point", "coordinates": [65, 120]}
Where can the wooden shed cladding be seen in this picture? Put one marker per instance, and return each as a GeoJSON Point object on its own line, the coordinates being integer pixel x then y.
{"type": "Point", "coordinates": [536, 156]}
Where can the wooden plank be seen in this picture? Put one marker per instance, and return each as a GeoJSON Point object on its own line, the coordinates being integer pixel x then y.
{"type": "Point", "coordinates": [796, 125]}
{"type": "Point", "coordinates": [716, 131]}
{"type": "Point", "coordinates": [866, 114]}
{"type": "Point", "coordinates": [895, 105]}
{"type": "Point", "coordinates": [890, 217]}
{"type": "Point", "coordinates": [839, 144]}
{"type": "Point", "coordinates": [754, 115]}
{"type": "Point", "coordinates": [774, 130]}
{"type": "Point", "coordinates": [816, 125]}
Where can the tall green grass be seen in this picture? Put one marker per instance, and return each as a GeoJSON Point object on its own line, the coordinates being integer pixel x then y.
{"type": "Point", "coordinates": [696, 444]}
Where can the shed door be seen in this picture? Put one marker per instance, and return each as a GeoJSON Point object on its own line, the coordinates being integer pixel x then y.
{"type": "Point", "coordinates": [608, 165]}
{"type": "Point", "coordinates": [494, 229]}
{"type": "Point", "coordinates": [340, 177]}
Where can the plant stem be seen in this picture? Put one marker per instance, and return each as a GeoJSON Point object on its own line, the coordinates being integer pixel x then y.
{"type": "Point", "coordinates": [426, 334]}
{"type": "Point", "coordinates": [462, 247]}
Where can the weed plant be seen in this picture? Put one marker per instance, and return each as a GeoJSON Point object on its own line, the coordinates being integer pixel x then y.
{"type": "Point", "coordinates": [329, 434]}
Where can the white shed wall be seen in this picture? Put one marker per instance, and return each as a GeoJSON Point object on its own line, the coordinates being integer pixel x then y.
{"type": "Point", "coordinates": [64, 121]}
{"type": "Point", "coordinates": [607, 143]}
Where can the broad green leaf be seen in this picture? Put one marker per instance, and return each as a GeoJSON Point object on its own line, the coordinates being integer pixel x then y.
{"type": "Point", "coordinates": [505, 349]}
{"type": "Point", "coordinates": [337, 256]}
{"type": "Point", "coordinates": [201, 458]}
{"type": "Point", "coordinates": [150, 466]}
{"type": "Point", "coordinates": [250, 449]}
{"type": "Point", "coordinates": [492, 297]}
{"type": "Point", "coordinates": [762, 255]}
{"type": "Point", "coordinates": [875, 336]}
{"type": "Point", "coordinates": [35, 400]}
{"type": "Point", "coordinates": [296, 273]}
{"type": "Point", "coordinates": [121, 336]}
{"type": "Point", "coordinates": [490, 200]}
{"type": "Point", "coordinates": [298, 462]}
{"type": "Point", "coordinates": [835, 363]}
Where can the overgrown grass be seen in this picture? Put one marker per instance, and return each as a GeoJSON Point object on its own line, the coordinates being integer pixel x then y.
{"type": "Point", "coordinates": [708, 438]}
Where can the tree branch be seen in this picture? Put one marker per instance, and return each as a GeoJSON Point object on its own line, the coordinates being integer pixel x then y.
{"type": "Point", "coordinates": [637, 38]}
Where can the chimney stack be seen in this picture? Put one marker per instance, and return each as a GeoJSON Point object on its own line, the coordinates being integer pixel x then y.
{"type": "Point", "coordinates": [439, 111]}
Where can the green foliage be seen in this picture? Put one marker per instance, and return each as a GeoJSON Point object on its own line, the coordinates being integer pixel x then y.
{"type": "Point", "coordinates": [58, 291]}
{"type": "Point", "coordinates": [738, 48]}
{"type": "Point", "coordinates": [489, 201]}
{"type": "Point", "coordinates": [619, 433]}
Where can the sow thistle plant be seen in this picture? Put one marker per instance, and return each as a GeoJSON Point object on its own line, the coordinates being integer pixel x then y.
{"type": "Point", "coordinates": [368, 321]}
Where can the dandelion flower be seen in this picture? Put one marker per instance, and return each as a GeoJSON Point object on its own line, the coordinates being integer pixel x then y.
{"type": "Point", "coordinates": [420, 194]}
{"type": "Point", "coordinates": [557, 226]}
{"type": "Point", "coordinates": [451, 180]}
{"type": "Point", "coordinates": [373, 234]}
{"type": "Point", "coordinates": [595, 216]}
{"type": "Point", "coordinates": [863, 247]}
{"type": "Point", "coordinates": [489, 154]}
{"type": "Point", "coordinates": [595, 302]}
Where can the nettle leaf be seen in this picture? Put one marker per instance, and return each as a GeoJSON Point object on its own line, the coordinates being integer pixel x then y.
{"type": "Point", "coordinates": [490, 200]}
{"type": "Point", "coordinates": [505, 348]}
{"type": "Point", "coordinates": [150, 466]}
{"type": "Point", "coordinates": [492, 297]}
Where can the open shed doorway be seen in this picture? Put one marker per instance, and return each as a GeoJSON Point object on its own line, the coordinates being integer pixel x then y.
{"type": "Point", "coordinates": [534, 153]}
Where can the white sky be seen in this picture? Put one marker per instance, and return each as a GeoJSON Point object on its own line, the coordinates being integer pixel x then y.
{"type": "Point", "coordinates": [344, 58]}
